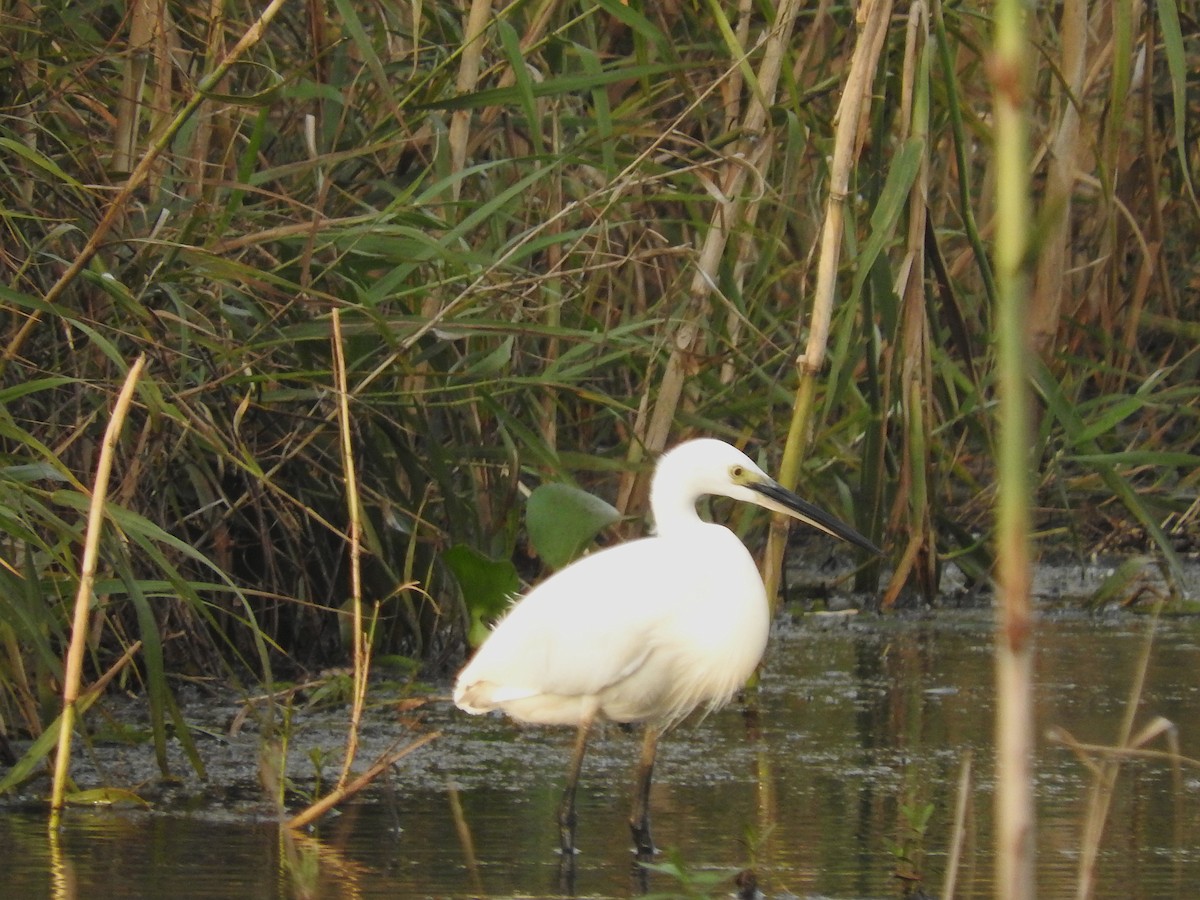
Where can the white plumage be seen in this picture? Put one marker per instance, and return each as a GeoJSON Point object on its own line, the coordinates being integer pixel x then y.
{"type": "Point", "coordinates": [645, 631]}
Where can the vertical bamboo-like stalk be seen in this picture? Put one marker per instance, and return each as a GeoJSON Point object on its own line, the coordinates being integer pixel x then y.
{"type": "Point", "coordinates": [1015, 628]}
{"type": "Point", "coordinates": [362, 657]}
{"type": "Point", "coordinates": [73, 670]}
{"type": "Point", "coordinates": [850, 119]}
{"type": "Point", "coordinates": [753, 154]}
{"type": "Point", "coordinates": [478, 17]}
{"type": "Point", "coordinates": [145, 17]}
{"type": "Point", "coordinates": [212, 128]}
{"type": "Point", "coordinates": [17, 35]}
{"type": "Point", "coordinates": [1048, 285]}
{"type": "Point", "coordinates": [912, 503]}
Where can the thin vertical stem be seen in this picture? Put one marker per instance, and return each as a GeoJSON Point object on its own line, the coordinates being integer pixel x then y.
{"type": "Point", "coordinates": [362, 660]}
{"type": "Point", "coordinates": [1014, 635]}
{"type": "Point", "coordinates": [73, 674]}
{"type": "Point", "coordinates": [479, 16]}
{"type": "Point", "coordinates": [752, 156]}
{"type": "Point", "coordinates": [850, 118]}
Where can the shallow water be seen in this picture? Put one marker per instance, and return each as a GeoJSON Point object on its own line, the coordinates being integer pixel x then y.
{"type": "Point", "coordinates": [860, 719]}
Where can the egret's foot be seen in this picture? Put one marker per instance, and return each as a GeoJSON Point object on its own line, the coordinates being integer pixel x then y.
{"type": "Point", "coordinates": [747, 885]}
{"type": "Point", "coordinates": [566, 836]}
{"type": "Point", "coordinates": [567, 818]}
{"type": "Point", "coordinates": [566, 873]}
{"type": "Point", "coordinates": [566, 842]}
{"type": "Point", "coordinates": [643, 844]}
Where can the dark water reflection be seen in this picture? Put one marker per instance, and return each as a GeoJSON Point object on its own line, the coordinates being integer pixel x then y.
{"type": "Point", "coordinates": [862, 724]}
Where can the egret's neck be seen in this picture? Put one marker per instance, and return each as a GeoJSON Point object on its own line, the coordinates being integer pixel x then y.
{"type": "Point", "coordinates": [673, 503]}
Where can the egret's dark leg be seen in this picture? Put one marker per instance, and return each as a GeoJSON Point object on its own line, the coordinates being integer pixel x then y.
{"type": "Point", "coordinates": [566, 810]}
{"type": "Point", "coordinates": [639, 819]}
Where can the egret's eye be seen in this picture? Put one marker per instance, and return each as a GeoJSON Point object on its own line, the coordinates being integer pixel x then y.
{"type": "Point", "coordinates": [737, 472]}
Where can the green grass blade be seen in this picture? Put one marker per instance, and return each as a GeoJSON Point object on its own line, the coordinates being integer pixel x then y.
{"type": "Point", "coordinates": [1168, 19]}
{"type": "Point", "coordinates": [510, 42]}
{"type": "Point", "coordinates": [1065, 413]}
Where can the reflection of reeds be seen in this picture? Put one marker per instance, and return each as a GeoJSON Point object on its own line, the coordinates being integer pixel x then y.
{"type": "Point", "coordinates": [959, 829]}
{"type": "Point", "coordinates": [1106, 769]}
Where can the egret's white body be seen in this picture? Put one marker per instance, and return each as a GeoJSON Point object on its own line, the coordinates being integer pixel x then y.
{"type": "Point", "coordinates": [645, 631]}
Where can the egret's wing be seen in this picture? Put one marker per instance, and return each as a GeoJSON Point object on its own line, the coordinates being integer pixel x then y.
{"type": "Point", "coordinates": [583, 629]}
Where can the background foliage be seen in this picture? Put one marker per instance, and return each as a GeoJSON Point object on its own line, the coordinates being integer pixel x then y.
{"type": "Point", "coordinates": [514, 209]}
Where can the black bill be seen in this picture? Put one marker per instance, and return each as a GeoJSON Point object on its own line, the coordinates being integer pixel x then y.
{"type": "Point", "coordinates": [784, 501]}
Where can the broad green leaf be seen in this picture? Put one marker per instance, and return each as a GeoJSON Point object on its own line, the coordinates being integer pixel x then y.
{"type": "Point", "coordinates": [488, 586]}
{"type": "Point", "coordinates": [901, 175]}
{"type": "Point", "coordinates": [494, 363]}
{"type": "Point", "coordinates": [636, 22]}
{"type": "Point", "coordinates": [365, 46]}
{"type": "Point", "coordinates": [524, 84]}
{"type": "Point", "coordinates": [562, 521]}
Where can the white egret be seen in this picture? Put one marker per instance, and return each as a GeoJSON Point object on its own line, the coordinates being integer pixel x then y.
{"type": "Point", "coordinates": [645, 631]}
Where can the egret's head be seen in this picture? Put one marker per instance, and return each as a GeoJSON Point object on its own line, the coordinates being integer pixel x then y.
{"type": "Point", "coordinates": [708, 466]}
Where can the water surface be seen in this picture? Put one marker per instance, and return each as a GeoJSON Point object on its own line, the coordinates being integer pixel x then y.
{"type": "Point", "coordinates": [843, 783]}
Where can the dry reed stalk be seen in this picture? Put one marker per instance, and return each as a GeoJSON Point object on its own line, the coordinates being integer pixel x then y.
{"type": "Point", "coordinates": [145, 19]}
{"type": "Point", "coordinates": [536, 30]}
{"type": "Point", "coordinates": [1050, 279]}
{"type": "Point", "coordinates": [1015, 818]}
{"type": "Point", "coordinates": [850, 118]}
{"type": "Point", "coordinates": [1152, 250]}
{"type": "Point", "coordinates": [751, 157]}
{"type": "Point", "coordinates": [344, 792]}
{"type": "Point", "coordinates": [911, 514]}
{"type": "Point", "coordinates": [208, 131]}
{"type": "Point", "coordinates": [73, 669]}
{"type": "Point", "coordinates": [362, 649]}
{"type": "Point", "coordinates": [731, 91]}
{"type": "Point", "coordinates": [25, 70]}
{"type": "Point", "coordinates": [478, 17]}
{"type": "Point", "coordinates": [139, 176]}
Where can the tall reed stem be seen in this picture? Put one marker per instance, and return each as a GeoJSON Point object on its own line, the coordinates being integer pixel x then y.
{"type": "Point", "coordinates": [73, 674]}
{"type": "Point", "coordinates": [753, 154]}
{"type": "Point", "coordinates": [1015, 628]}
{"type": "Point", "coordinates": [358, 636]}
{"type": "Point", "coordinates": [851, 118]}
